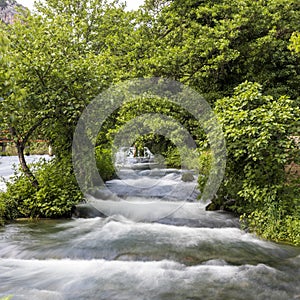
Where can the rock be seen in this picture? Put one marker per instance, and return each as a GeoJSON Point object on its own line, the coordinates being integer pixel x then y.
{"type": "Point", "coordinates": [86, 210]}
{"type": "Point", "coordinates": [187, 177]}
{"type": "Point", "coordinates": [218, 204]}
{"type": "Point", "coordinates": [212, 206]}
{"type": "Point", "coordinates": [8, 10]}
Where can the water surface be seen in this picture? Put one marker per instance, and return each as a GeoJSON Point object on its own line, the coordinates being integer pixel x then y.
{"type": "Point", "coordinates": [188, 254]}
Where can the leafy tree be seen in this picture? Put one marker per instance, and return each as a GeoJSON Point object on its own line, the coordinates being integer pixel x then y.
{"type": "Point", "coordinates": [52, 64]}
{"type": "Point", "coordinates": [258, 129]}
{"type": "Point", "coordinates": [41, 79]}
{"type": "Point", "coordinates": [11, 105]}
{"type": "Point", "coordinates": [215, 45]}
{"type": "Point", "coordinates": [152, 124]}
{"type": "Point", "coordinates": [58, 62]}
{"type": "Point", "coordinates": [146, 104]}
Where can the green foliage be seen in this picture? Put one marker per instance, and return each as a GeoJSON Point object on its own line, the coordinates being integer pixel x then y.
{"type": "Point", "coordinates": [295, 42]}
{"type": "Point", "coordinates": [215, 45]}
{"type": "Point", "coordinates": [104, 163]}
{"type": "Point", "coordinates": [205, 162]}
{"type": "Point", "coordinates": [152, 117]}
{"type": "Point", "coordinates": [51, 68]}
{"type": "Point", "coordinates": [148, 104]}
{"type": "Point", "coordinates": [18, 191]}
{"type": "Point", "coordinates": [69, 51]}
{"type": "Point", "coordinates": [47, 87]}
{"type": "Point", "coordinates": [257, 129]}
{"type": "Point", "coordinates": [6, 297]}
{"type": "Point", "coordinates": [2, 210]}
{"type": "Point", "coordinates": [276, 228]}
{"type": "Point", "coordinates": [173, 159]}
{"type": "Point", "coordinates": [59, 61]}
{"type": "Point", "coordinates": [194, 160]}
{"type": "Point", "coordinates": [57, 194]}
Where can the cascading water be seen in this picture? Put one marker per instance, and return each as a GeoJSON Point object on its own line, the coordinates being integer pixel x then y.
{"type": "Point", "coordinates": [186, 254]}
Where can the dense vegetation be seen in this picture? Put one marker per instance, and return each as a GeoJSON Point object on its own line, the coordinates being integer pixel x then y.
{"type": "Point", "coordinates": [242, 56]}
{"type": "Point", "coordinates": [256, 129]}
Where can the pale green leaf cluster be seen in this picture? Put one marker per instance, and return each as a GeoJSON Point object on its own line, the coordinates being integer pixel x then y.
{"type": "Point", "coordinates": [295, 42]}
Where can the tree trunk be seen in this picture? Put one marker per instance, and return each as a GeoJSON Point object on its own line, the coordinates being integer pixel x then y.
{"type": "Point", "coordinates": [24, 166]}
{"type": "Point", "coordinates": [20, 144]}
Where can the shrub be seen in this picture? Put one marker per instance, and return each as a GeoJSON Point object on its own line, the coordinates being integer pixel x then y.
{"type": "Point", "coordinates": [57, 193]}
{"type": "Point", "coordinates": [2, 211]}
{"type": "Point", "coordinates": [104, 163]}
{"type": "Point", "coordinates": [187, 159]}
{"type": "Point", "coordinates": [257, 130]}
{"type": "Point", "coordinates": [204, 168]}
{"type": "Point", "coordinates": [173, 159]}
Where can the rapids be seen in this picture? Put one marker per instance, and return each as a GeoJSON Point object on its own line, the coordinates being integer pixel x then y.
{"type": "Point", "coordinates": [179, 252]}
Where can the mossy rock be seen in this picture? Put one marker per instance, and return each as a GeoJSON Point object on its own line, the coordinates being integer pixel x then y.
{"type": "Point", "coordinates": [212, 206]}
{"type": "Point", "coordinates": [86, 210]}
{"type": "Point", "coordinates": [220, 205]}
{"type": "Point", "coordinates": [187, 177]}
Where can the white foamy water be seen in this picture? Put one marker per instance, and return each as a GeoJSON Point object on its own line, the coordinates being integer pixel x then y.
{"type": "Point", "coordinates": [101, 279]}
{"type": "Point", "coordinates": [152, 245]}
{"type": "Point", "coordinates": [164, 183]}
{"type": "Point", "coordinates": [149, 195]}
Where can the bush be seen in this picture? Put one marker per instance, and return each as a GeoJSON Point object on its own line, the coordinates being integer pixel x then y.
{"type": "Point", "coordinates": [18, 190]}
{"type": "Point", "coordinates": [205, 159]}
{"type": "Point", "coordinates": [257, 130]}
{"type": "Point", "coordinates": [2, 211]}
{"type": "Point", "coordinates": [270, 226]}
{"type": "Point", "coordinates": [57, 193]}
{"type": "Point", "coordinates": [173, 159]}
{"type": "Point", "coordinates": [187, 159]}
{"type": "Point", "coordinates": [104, 163]}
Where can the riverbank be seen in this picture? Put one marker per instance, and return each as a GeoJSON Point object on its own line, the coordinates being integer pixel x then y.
{"type": "Point", "coordinates": [41, 148]}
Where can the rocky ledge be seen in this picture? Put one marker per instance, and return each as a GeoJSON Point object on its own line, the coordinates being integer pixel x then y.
{"type": "Point", "coordinates": [9, 10]}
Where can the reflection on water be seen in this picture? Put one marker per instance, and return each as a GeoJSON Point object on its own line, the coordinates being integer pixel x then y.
{"type": "Point", "coordinates": [191, 254]}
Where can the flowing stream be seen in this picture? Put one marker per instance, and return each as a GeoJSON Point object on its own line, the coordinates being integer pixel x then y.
{"type": "Point", "coordinates": [180, 252]}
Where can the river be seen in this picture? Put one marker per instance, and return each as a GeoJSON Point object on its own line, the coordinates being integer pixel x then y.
{"type": "Point", "coordinates": [188, 254]}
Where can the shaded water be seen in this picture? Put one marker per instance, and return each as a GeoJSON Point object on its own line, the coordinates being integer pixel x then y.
{"type": "Point", "coordinates": [189, 254]}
